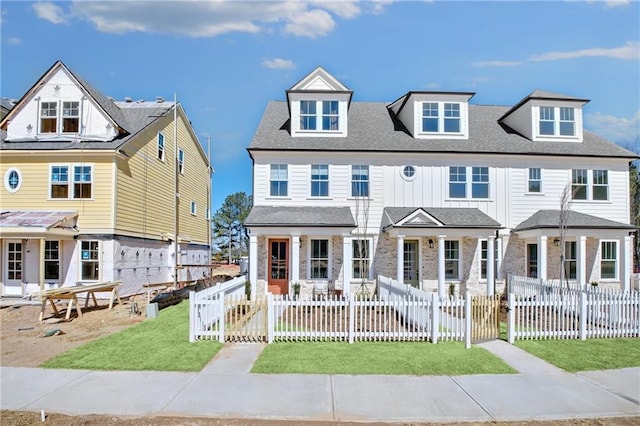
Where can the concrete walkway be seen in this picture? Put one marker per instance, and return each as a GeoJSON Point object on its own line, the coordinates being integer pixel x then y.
{"type": "Point", "coordinates": [226, 389]}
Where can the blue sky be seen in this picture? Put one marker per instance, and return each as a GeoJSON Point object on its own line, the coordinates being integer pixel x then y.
{"type": "Point", "coordinates": [225, 60]}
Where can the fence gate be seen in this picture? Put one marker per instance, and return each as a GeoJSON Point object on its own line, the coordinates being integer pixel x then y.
{"type": "Point", "coordinates": [245, 320]}
{"type": "Point", "coordinates": [485, 317]}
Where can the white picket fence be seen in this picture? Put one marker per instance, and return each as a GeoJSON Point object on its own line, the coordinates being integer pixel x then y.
{"type": "Point", "coordinates": [544, 310]}
{"type": "Point", "coordinates": [206, 308]}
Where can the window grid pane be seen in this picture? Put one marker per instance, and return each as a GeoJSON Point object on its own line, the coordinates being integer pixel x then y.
{"type": "Point", "coordinates": [330, 115]}
{"type": "Point", "coordinates": [319, 180]}
{"type": "Point", "coordinates": [359, 181]}
{"type": "Point", "coordinates": [308, 115]}
{"type": "Point", "coordinates": [480, 182]}
{"type": "Point", "coordinates": [600, 185]}
{"type": "Point", "coordinates": [360, 256]}
{"type": "Point", "coordinates": [319, 259]}
{"type": "Point", "coordinates": [608, 260]}
{"type": "Point", "coordinates": [457, 182]}
{"type": "Point", "coordinates": [567, 121]}
{"type": "Point", "coordinates": [279, 180]}
{"type": "Point", "coordinates": [547, 120]}
{"type": "Point", "coordinates": [451, 259]}
{"type": "Point", "coordinates": [430, 117]}
{"type": "Point", "coordinates": [535, 180]}
{"type": "Point", "coordinates": [579, 184]}
{"type": "Point", "coordinates": [452, 118]}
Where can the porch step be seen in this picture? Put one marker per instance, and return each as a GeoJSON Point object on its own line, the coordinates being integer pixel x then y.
{"type": "Point", "coordinates": [274, 289]}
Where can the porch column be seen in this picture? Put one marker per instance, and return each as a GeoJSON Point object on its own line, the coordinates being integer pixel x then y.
{"type": "Point", "coordinates": [581, 260]}
{"type": "Point", "coordinates": [542, 257]}
{"type": "Point", "coordinates": [400, 259]}
{"type": "Point", "coordinates": [253, 263]}
{"type": "Point", "coordinates": [441, 290]}
{"type": "Point", "coordinates": [626, 263]}
{"type": "Point", "coordinates": [295, 258]}
{"type": "Point", "coordinates": [41, 264]}
{"type": "Point", "coordinates": [346, 264]}
{"type": "Point", "coordinates": [490, 267]}
{"type": "Point", "coordinates": [498, 275]}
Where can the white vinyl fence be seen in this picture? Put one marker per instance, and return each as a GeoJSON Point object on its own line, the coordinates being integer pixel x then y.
{"type": "Point", "coordinates": [206, 308]}
{"type": "Point", "coordinates": [543, 310]}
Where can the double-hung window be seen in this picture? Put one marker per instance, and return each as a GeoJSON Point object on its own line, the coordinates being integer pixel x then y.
{"type": "Point", "coordinates": [161, 147]}
{"type": "Point", "coordinates": [319, 180]}
{"type": "Point", "coordinates": [590, 185]}
{"type": "Point", "coordinates": [48, 117]}
{"type": "Point", "coordinates": [52, 260]}
{"type": "Point", "coordinates": [484, 254]}
{"type": "Point", "coordinates": [77, 185]}
{"type": "Point", "coordinates": [319, 259]}
{"type": "Point", "coordinates": [181, 161]}
{"type": "Point", "coordinates": [557, 121]}
{"type": "Point", "coordinates": [579, 184]}
{"type": "Point", "coordinates": [359, 181]}
{"type": "Point", "coordinates": [70, 117]}
{"type": "Point", "coordinates": [534, 182]}
{"type": "Point", "coordinates": [360, 258]}
{"type": "Point", "coordinates": [279, 180]}
{"type": "Point", "coordinates": [441, 117]}
{"type": "Point", "coordinates": [458, 184]}
{"type": "Point", "coordinates": [307, 115]}
{"type": "Point", "coordinates": [600, 189]}
{"type": "Point", "coordinates": [570, 259]}
{"type": "Point", "coordinates": [608, 260]}
{"type": "Point", "coordinates": [89, 261]}
{"type": "Point", "coordinates": [330, 115]}
{"type": "Point", "coordinates": [452, 259]}
{"type": "Point", "coordinates": [320, 115]}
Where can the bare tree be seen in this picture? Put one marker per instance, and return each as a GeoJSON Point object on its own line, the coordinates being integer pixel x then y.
{"type": "Point", "coordinates": [565, 208]}
{"type": "Point", "coordinates": [360, 191]}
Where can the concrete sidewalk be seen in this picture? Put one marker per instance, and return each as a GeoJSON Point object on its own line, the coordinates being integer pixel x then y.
{"type": "Point", "coordinates": [226, 389]}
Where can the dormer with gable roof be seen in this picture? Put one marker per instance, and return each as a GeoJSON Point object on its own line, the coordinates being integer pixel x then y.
{"type": "Point", "coordinates": [434, 115]}
{"type": "Point", "coordinates": [318, 106]}
{"type": "Point", "coordinates": [63, 107]}
{"type": "Point", "coordinates": [547, 117]}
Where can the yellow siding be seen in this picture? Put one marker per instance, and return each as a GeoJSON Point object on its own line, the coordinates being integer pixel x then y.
{"type": "Point", "coordinates": [145, 185]}
{"type": "Point", "coordinates": [95, 213]}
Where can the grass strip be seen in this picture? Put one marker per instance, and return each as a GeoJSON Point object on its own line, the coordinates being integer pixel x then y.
{"type": "Point", "coordinates": [160, 344]}
{"type": "Point", "coordinates": [406, 358]}
{"type": "Point", "coordinates": [586, 355]}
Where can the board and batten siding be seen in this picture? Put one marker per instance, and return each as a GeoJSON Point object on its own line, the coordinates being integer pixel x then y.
{"type": "Point", "coordinates": [145, 185]}
{"type": "Point", "coordinates": [95, 213]}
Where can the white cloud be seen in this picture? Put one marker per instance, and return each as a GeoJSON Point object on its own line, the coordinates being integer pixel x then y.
{"type": "Point", "coordinates": [13, 40]}
{"type": "Point", "coordinates": [616, 3]}
{"type": "Point", "coordinates": [625, 131]}
{"type": "Point", "coordinates": [49, 12]}
{"type": "Point", "coordinates": [631, 50]}
{"type": "Point", "coordinates": [278, 63]}
{"type": "Point", "coordinates": [312, 18]}
{"type": "Point", "coordinates": [496, 64]}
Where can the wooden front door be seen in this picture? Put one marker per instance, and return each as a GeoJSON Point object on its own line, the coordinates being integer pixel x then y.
{"type": "Point", "coordinates": [279, 266]}
{"type": "Point", "coordinates": [13, 269]}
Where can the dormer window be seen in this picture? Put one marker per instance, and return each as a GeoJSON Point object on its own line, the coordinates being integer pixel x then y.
{"type": "Point", "coordinates": [70, 117]}
{"type": "Point", "coordinates": [48, 117]}
{"type": "Point", "coordinates": [329, 120]}
{"type": "Point", "coordinates": [557, 121]}
{"type": "Point", "coordinates": [440, 117]}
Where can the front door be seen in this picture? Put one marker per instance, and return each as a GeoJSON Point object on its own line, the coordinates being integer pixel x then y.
{"type": "Point", "coordinates": [13, 269]}
{"type": "Point", "coordinates": [279, 266]}
{"type": "Point", "coordinates": [411, 262]}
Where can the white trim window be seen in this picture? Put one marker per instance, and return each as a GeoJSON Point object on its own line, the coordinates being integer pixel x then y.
{"type": "Point", "coordinates": [479, 185]}
{"type": "Point", "coordinates": [590, 184]}
{"type": "Point", "coordinates": [556, 121]}
{"type": "Point", "coordinates": [452, 259]}
{"type": "Point", "coordinates": [570, 260]}
{"type": "Point", "coordinates": [319, 180]}
{"type": "Point", "coordinates": [70, 117]}
{"type": "Point", "coordinates": [319, 258]}
{"type": "Point", "coordinates": [534, 180]}
{"type": "Point", "coordinates": [13, 180]}
{"type": "Point", "coordinates": [361, 258]}
{"type": "Point", "coordinates": [483, 259]}
{"type": "Point", "coordinates": [329, 118]}
{"type": "Point", "coordinates": [279, 180]}
{"type": "Point", "coordinates": [441, 117]}
{"type": "Point", "coordinates": [181, 160]}
{"type": "Point", "coordinates": [48, 117]}
{"type": "Point", "coordinates": [52, 260]}
{"type": "Point", "coordinates": [78, 185]}
{"type": "Point", "coordinates": [161, 151]}
{"type": "Point", "coordinates": [89, 260]}
{"type": "Point", "coordinates": [359, 180]}
{"type": "Point", "coordinates": [194, 208]}
{"type": "Point", "coordinates": [608, 260]}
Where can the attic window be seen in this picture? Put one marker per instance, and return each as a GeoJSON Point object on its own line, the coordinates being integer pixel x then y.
{"type": "Point", "coordinates": [48, 117]}
{"type": "Point", "coordinates": [557, 121]}
{"type": "Point", "coordinates": [329, 119]}
{"type": "Point", "coordinates": [441, 117]}
{"type": "Point", "coordinates": [70, 117]}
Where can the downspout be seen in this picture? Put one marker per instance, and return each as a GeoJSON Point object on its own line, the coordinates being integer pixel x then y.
{"type": "Point", "coordinates": [176, 194]}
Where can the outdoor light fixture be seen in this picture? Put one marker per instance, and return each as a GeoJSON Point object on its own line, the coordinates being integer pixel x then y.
{"type": "Point", "coordinates": [556, 242]}
{"type": "Point", "coordinates": [122, 253]}
{"type": "Point", "coordinates": [430, 243]}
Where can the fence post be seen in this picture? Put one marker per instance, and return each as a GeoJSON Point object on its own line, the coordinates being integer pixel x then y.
{"type": "Point", "coordinates": [352, 315]}
{"type": "Point", "coordinates": [511, 318]}
{"type": "Point", "coordinates": [192, 317]}
{"type": "Point", "coordinates": [583, 315]}
{"type": "Point", "coordinates": [467, 321]}
{"type": "Point", "coordinates": [435, 317]}
{"type": "Point", "coordinates": [223, 315]}
{"type": "Point", "coordinates": [270, 318]}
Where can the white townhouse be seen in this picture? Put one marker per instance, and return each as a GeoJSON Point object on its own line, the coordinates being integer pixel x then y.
{"type": "Point", "coordinates": [433, 191]}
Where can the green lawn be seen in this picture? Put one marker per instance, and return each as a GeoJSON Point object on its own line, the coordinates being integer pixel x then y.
{"type": "Point", "coordinates": [160, 344]}
{"type": "Point", "coordinates": [412, 358]}
{"type": "Point", "coordinates": [592, 354]}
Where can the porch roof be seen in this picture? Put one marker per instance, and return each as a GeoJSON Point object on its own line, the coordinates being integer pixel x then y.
{"type": "Point", "coordinates": [575, 220]}
{"type": "Point", "coordinates": [269, 216]}
{"type": "Point", "coordinates": [436, 217]}
{"type": "Point", "coordinates": [37, 223]}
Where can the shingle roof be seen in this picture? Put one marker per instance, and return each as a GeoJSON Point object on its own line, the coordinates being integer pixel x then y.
{"type": "Point", "coordinates": [300, 216]}
{"type": "Point", "coordinates": [551, 219]}
{"type": "Point", "coordinates": [448, 217]}
{"type": "Point", "coordinates": [373, 128]}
